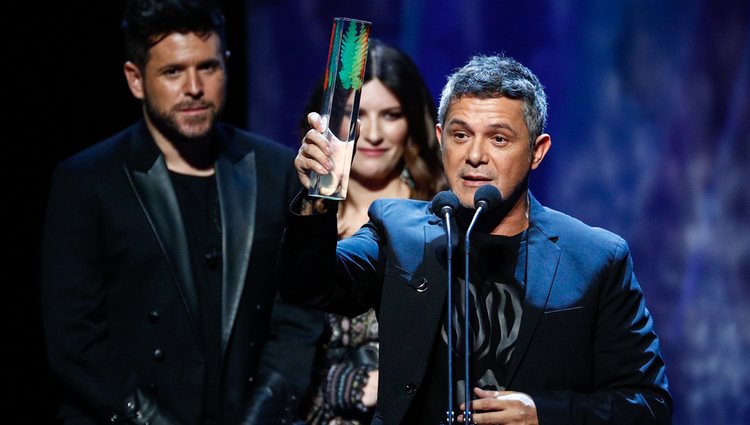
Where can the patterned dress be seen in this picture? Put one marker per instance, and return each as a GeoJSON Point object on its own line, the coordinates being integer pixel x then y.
{"type": "Point", "coordinates": [350, 353]}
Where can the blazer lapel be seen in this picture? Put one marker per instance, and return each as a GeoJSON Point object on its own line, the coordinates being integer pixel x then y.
{"type": "Point", "coordinates": [434, 266]}
{"type": "Point", "coordinates": [237, 188]}
{"type": "Point", "coordinates": [424, 300]}
{"type": "Point", "coordinates": [157, 197]}
{"type": "Point", "coordinates": [543, 258]}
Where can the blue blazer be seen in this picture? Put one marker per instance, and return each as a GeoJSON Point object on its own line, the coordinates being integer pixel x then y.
{"type": "Point", "coordinates": [586, 350]}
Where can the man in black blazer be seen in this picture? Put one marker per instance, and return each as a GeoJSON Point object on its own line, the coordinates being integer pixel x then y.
{"type": "Point", "coordinates": [158, 285]}
{"type": "Point", "coordinates": [559, 331]}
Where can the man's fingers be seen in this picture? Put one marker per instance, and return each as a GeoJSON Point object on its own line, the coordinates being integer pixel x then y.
{"type": "Point", "coordinates": [316, 122]}
{"type": "Point", "coordinates": [314, 154]}
{"type": "Point", "coordinates": [485, 393]}
{"type": "Point", "coordinates": [313, 137]}
{"type": "Point", "coordinates": [496, 401]}
{"type": "Point", "coordinates": [306, 165]}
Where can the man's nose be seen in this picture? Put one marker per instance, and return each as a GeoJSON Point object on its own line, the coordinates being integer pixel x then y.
{"type": "Point", "coordinates": [194, 84]}
{"type": "Point", "coordinates": [476, 154]}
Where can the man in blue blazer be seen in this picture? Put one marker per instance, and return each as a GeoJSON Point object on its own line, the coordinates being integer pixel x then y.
{"type": "Point", "coordinates": [158, 285]}
{"type": "Point", "coordinates": [559, 331]}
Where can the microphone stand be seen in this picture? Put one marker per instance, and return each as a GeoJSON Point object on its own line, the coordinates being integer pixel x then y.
{"type": "Point", "coordinates": [449, 414]}
{"type": "Point", "coordinates": [467, 345]}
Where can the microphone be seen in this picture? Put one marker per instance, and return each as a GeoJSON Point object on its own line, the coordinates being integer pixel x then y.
{"type": "Point", "coordinates": [444, 205]}
{"type": "Point", "coordinates": [486, 198]}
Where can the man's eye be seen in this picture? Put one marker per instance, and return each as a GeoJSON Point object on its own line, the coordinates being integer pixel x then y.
{"type": "Point", "coordinates": [213, 66]}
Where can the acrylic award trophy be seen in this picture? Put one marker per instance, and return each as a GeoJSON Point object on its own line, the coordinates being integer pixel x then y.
{"type": "Point", "coordinates": [347, 55]}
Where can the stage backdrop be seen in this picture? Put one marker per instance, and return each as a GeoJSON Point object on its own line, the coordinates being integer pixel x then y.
{"type": "Point", "coordinates": [650, 124]}
{"type": "Point", "coordinates": [649, 117]}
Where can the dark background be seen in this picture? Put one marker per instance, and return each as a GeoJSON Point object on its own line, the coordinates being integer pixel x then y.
{"type": "Point", "coordinates": [67, 91]}
{"type": "Point", "coordinates": [649, 117]}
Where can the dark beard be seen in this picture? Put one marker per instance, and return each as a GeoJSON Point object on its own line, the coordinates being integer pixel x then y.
{"type": "Point", "coordinates": [199, 150]}
{"type": "Point", "coordinates": [490, 219]}
{"type": "Point", "coordinates": [167, 125]}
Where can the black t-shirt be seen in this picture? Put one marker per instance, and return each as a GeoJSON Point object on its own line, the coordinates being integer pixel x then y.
{"type": "Point", "coordinates": [497, 271]}
{"type": "Point", "coordinates": [199, 205]}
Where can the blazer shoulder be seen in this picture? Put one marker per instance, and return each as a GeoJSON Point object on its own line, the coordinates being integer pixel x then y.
{"type": "Point", "coordinates": [101, 157]}
{"type": "Point", "coordinates": [399, 206]}
{"type": "Point", "coordinates": [399, 213]}
{"type": "Point", "coordinates": [572, 231]}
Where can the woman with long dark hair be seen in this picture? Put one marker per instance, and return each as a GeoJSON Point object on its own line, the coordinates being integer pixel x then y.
{"type": "Point", "coordinates": [397, 156]}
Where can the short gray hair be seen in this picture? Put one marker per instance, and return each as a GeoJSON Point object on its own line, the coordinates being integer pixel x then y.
{"type": "Point", "coordinates": [498, 76]}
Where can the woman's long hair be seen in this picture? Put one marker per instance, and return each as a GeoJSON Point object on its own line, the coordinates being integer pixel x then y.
{"type": "Point", "coordinates": [400, 75]}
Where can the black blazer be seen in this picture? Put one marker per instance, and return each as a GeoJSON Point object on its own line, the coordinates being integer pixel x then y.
{"type": "Point", "coordinates": [119, 301]}
{"type": "Point", "coordinates": [586, 350]}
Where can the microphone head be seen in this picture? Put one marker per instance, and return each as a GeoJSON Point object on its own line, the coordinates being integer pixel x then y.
{"type": "Point", "coordinates": [444, 202]}
{"type": "Point", "coordinates": [488, 197]}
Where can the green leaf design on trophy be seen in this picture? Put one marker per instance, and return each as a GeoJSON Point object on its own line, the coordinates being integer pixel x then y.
{"type": "Point", "coordinates": [354, 45]}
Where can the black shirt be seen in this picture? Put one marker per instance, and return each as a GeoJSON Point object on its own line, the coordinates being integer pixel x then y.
{"type": "Point", "coordinates": [497, 271]}
{"type": "Point", "coordinates": [199, 205]}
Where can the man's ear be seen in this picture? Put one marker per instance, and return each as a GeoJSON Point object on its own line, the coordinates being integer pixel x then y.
{"type": "Point", "coordinates": [439, 134]}
{"type": "Point", "coordinates": [135, 79]}
{"type": "Point", "coordinates": [541, 147]}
